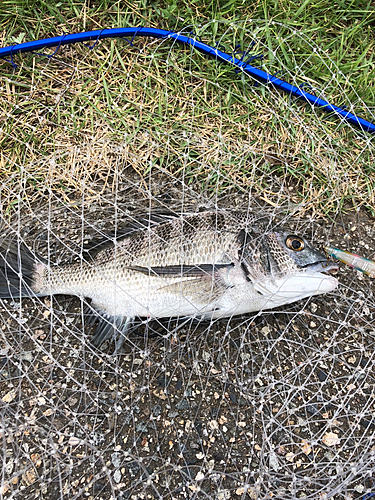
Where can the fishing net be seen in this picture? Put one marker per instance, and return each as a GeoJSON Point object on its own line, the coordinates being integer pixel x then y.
{"type": "Point", "coordinates": [277, 404]}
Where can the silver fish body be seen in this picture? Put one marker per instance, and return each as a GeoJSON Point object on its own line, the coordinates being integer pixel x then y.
{"type": "Point", "coordinates": [209, 264]}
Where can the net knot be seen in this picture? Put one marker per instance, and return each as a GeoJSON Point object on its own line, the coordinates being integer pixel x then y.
{"type": "Point", "coordinates": [244, 59]}
{"type": "Point", "coordinates": [130, 42]}
{"type": "Point", "coordinates": [194, 36]}
{"type": "Point", "coordinates": [15, 66]}
{"type": "Point", "coordinates": [49, 56]}
{"type": "Point", "coordinates": [307, 87]}
{"type": "Point", "coordinates": [96, 41]}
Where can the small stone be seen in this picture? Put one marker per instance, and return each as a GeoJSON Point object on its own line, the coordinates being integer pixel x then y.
{"type": "Point", "coordinates": [116, 460]}
{"type": "Point", "coordinates": [172, 414]}
{"type": "Point", "coordinates": [312, 409]}
{"type": "Point", "coordinates": [193, 488]}
{"type": "Point", "coordinates": [199, 476]}
{"type": "Point", "coordinates": [160, 394]}
{"type": "Point", "coordinates": [4, 488]}
{"type": "Point", "coordinates": [117, 476]}
{"type": "Point", "coordinates": [29, 477]}
{"type": "Point", "coordinates": [322, 375]}
{"type": "Point", "coordinates": [206, 356]}
{"type": "Point", "coordinates": [213, 425]}
{"type": "Point", "coordinates": [331, 439]}
{"type": "Point", "coordinates": [306, 448]}
{"type": "Point", "coordinates": [223, 495]}
{"type": "Point", "coordinates": [156, 410]}
{"type": "Point", "coordinates": [273, 461]}
{"type": "Point", "coordinates": [141, 427]}
{"type": "Point", "coordinates": [182, 405]}
{"type": "Point", "coordinates": [163, 381]}
{"type": "Point", "coordinates": [289, 457]}
{"type": "Point", "coordinates": [133, 469]}
{"type": "Point", "coordinates": [9, 396]}
{"type": "Point", "coordinates": [9, 466]}
{"type": "Point", "coordinates": [27, 356]}
{"type": "Point", "coordinates": [253, 493]}
{"type": "Point", "coordinates": [74, 441]}
{"type": "Point", "coordinates": [330, 456]}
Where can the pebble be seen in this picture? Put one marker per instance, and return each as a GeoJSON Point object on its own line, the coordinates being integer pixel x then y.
{"type": "Point", "coordinates": [141, 427]}
{"type": "Point", "coordinates": [117, 476]}
{"type": "Point", "coordinates": [223, 495]}
{"type": "Point", "coordinates": [273, 461]}
{"type": "Point", "coordinates": [156, 410]}
{"type": "Point", "coordinates": [331, 439]}
{"type": "Point", "coordinates": [172, 414]}
{"type": "Point", "coordinates": [74, 441]}
{"type": "Point", "coordinates": [312, 409]}
{"type": "Point", "coordinates": [322, 375]}
{"type": "Point", "coordinates": [199, 476]}
{"type": "Point", "coordinates": [182, 405]}
{"type": "Point", "coordinates": [116, 459]}
{"type": "Point", "coordinates": [27, 356]}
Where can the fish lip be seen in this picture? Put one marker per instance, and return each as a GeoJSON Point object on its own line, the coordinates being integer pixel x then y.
{"type": "Point", "coordinates": [324, 267]}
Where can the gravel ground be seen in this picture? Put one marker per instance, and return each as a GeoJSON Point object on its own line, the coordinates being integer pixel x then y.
{"type": "Point", "coordinates": [276, 405]}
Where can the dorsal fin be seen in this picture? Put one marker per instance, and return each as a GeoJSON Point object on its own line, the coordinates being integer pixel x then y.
{"type": "Point", "coordinates": [141, 223]}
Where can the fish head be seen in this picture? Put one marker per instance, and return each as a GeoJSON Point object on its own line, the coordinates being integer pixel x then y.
{"type": "Point", "coordinates": [287, 267]}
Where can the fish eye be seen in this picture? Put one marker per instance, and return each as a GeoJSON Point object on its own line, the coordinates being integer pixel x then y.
{"type": "Point", "coordinates": [295, 243]}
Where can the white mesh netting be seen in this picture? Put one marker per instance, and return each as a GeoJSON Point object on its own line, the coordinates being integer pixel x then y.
{"type": "Point", "coordinates": [278, 404]}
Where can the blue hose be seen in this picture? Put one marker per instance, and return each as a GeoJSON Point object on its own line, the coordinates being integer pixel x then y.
{"type": "Point", "coordinates": [256, 73]}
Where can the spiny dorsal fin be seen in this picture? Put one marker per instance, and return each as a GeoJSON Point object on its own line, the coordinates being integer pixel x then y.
{"type": "Point", "coordinates": [138, 224]}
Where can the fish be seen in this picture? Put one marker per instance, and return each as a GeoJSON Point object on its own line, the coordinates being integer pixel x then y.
{"type": "Point", "coordinates": [205, 265]}
{"type": "Point", "coordinates": [362, 264]}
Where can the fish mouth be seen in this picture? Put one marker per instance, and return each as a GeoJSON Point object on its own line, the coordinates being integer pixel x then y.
{"type": "Point", "coordinates": [324, 267]}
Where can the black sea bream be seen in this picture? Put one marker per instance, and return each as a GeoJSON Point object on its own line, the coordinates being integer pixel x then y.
{"type": "Point", "coordinates": [203, 265]}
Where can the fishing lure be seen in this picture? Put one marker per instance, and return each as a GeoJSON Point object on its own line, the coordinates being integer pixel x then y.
{"type": "Point", "coordinates": [362, 264]}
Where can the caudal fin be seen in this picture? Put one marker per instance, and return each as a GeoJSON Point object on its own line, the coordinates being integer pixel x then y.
{"type": "Point", "coordinates": [18, 270]}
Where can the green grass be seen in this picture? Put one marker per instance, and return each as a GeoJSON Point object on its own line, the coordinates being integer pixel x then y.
{"type": "Point", "coordinates": [177, 112]}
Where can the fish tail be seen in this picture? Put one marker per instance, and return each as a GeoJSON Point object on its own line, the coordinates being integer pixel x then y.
{"type": "Point", "coordinates": [20, 271]}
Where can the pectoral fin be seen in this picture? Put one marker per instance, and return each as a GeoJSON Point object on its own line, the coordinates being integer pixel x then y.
{"type": "Point", "coordinates": [200, 291]}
